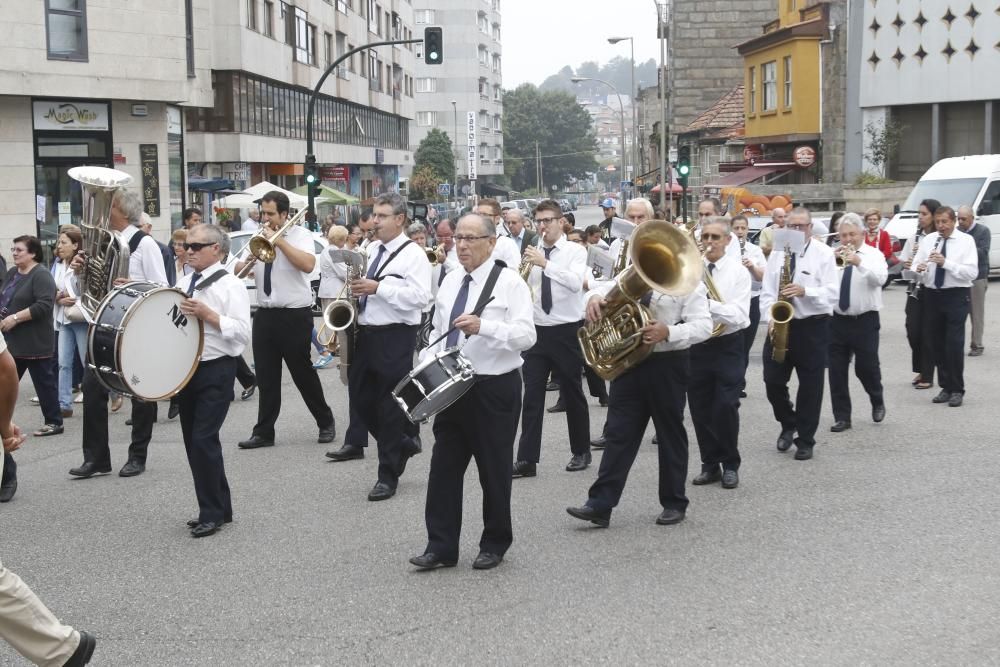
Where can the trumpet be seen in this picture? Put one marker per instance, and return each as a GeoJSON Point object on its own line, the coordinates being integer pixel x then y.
{"type": "Point", "coordinates": [843, 255]}
{"type": "Point", "coordinates": [436, 255]}
{"type": "Point", "coordinates": [261, 248]}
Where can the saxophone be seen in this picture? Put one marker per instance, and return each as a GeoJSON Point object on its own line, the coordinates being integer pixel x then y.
{"type": "Point", "coordinates": [713, 295]}
{"type": "Point", "coordinates": [106, 253]}
{"type": "Point", "coordinates": [782, 312]}
{"type": "Point", "coordinates": [341, 315]}
{"type": "Point", "coordinates": [621, 261]}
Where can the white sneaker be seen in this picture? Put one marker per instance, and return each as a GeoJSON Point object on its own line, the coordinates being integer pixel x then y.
{"type": "Point", "coordinates": [34, 399]}
{"type": "Point", "coordinates": [78, 398]}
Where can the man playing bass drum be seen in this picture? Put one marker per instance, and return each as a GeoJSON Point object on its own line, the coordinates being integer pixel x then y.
{"type": "Point", "coordinates": [482, 423]}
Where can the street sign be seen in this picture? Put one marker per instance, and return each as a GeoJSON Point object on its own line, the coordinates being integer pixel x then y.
{"type": "Point", "coordinates": [444, 189]}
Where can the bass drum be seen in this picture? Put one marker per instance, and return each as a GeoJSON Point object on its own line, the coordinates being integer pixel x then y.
{"type": "Point", "coordinates": [140, 343]}
{"type": "Point", "coordinates": [434, 385]}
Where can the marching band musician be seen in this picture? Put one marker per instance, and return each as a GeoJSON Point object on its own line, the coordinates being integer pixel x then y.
{"type": "Point", "coordinates": [947, 262]}
{"type": "Point", "coordinates": [483, 422]}
{"type": "Point", "coordinates": [753, 260]}
{"type": "Point", "coordinates": [557, 285]}
{"type": "Point", "coordinates": [282, 326]}
{"type": "Point", "coordinates": [396, 287]}
{"type": "Point", "coordinates": [146, 264]}
{"type": "Point", "coordinates": [921, 347]}
{"type": "Point", "coordinates": [219, 299]}
{"type": "Point", "coordinates": [717, 370]}
{"type": "Point", "coordinates": [506, 250]}
{"type": "Point", "coordinates": [655, 389]}
{"type": "Point", "coordinates": [854, 330]}
{"type": "Point", "coordinates": [812, 292]}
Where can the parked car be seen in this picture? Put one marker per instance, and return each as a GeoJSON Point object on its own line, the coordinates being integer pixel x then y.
{"type": "Point", "coordinates": [237, 244]}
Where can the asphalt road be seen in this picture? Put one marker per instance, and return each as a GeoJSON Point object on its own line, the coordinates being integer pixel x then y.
{"type": "Point", "coordinates": [881, 550]}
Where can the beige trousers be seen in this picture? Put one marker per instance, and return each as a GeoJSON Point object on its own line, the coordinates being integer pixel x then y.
{"type": "Point", "coordinates": [29, 626]}
{"type": "Point", "coordinates": [978, 311]}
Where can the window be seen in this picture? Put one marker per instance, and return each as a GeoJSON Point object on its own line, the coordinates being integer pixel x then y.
{"type": "Point", "coordinates": [397, 27]}
{"type": "Point", "coordinates": [342, 6]}
{"type": "Point", "coordinates": [484, 23]}
{"type": "Point", "coordinates": [496, 5]}
{"type": "Point", "coordinates": [496, 63]}
{"type": "Point", "coordinates": [327, 48]}
{"type": "Point", "coordinates": [496, 123]}
{"type": "Point", "coordinates": [426, 118]}
{"type": "Point", "coordinates": [752, 97]}
{"type": "Point", "coordinates": [66, 29]}
{"type": "Point", "coordinates": [788, 82]}
{"type": "Point", "coordinates": [268, 19]}
{"type": "Point", "coordinates": [769, 86]}
{"type": "Point", "coordinates": [252, 14]}
{"type": "Point", "coordinates": [188, 35]}
{"type": "Point", "coordinates": [373, 15]}
{"type": "Point", "coordinates": [497, 93]}
{"type": "Point", "coordinates": [484, 56]}
{"type": "Point", "coordinates": [421, 16]}
{"type": "Point", "coordinates": [426, 85]}
{"type": "Point", "coordinates": [496, 31]}
{"type": "Point", "coordinates": [350, 61]}
{"type": "Point", "coordinates": [484, 88]}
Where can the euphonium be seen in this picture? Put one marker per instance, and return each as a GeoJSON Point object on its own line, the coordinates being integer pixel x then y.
{"type": "Point", "coordinates": [663, 259]}
{"type": "Point", "coordinates": [435, 255]}
{"type": "Point", "coordinates": [261, 248]}
{"type": "Point", "coordinates": [106, 253]}
{"type": "Point", "coordinates": [782, 312]}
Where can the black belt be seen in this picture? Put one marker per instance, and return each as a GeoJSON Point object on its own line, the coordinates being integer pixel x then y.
{"type": "Point", "coordinates": [812, 317]}
{"type": "Point", "coordinates": [209, 362]}
{"type": "Point", "coordinates": [666, 354]}
{"type": "Point", "coordinates": [284, 308]}
{"type": "Point", "coordinates": [855, 317]}
{"type": "Point", "coordinates": [388, 327]}
{"type": "Point", "coordinates": [947, 290]}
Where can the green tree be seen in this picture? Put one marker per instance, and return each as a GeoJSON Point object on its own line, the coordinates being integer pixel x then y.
{"type": "Point", "coordinates": [435, 152]}
{"type": "Point", "coordinates": [562, 130]}
{"type": "Point", "coordinates": [424, 183]}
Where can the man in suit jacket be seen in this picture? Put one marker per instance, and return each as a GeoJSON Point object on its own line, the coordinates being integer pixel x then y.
{"type": "Point", "coordinates": [522, 236]}
{"type": "Point", "coordinates": [981, 235]}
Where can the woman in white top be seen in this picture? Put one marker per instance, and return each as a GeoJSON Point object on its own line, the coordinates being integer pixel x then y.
{"type": "Point", "coordinates": [71, 329]}
{"type": "Point", "coordinates": [177, 240]}
{"type": "Point", "coordinates": [332, 277]}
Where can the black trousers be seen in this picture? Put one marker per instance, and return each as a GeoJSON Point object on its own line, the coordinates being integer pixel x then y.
{"type": "Point", "coordinates": [655, 389]}
{"type": "Point", "coordinates": [855, 337]}
{"type": "Point", "coordinates": [717, 374]}
{"type": "Point", "coordinates": [244, 375]}
{"type": "Point", "coordinates": [596, 386]}
{"type": "Point", "coordinates": [384, 356]}
{"type": "Point", "coordinates": [945, 314]}
{"type": "Point", "coordinates": [556, 350]}
{"type": "Point", "coordinates": [44, 375]}
{"type": "Point", "coordinates": [808, 350]}
{"type": "Point", "coordinates": [921, 347]}
{"type": "Point", "coordinates": [204, 404]}
{"type": "Point", "coordinates": [749, 335]}
{"type": "Point", "coordinates": [285, 334]}
{"type": "Point", "coordinates": [95, 424]}
{"type": "Point", "coordinates": [480, 425]}
{"type": "Point", "coordinates": [357, 432]}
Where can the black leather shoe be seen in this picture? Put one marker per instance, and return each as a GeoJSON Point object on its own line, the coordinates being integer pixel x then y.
{"type": "Point", "coordinates": [669, 517]}
{"type": "Point", "coordinates": [206, 529]}
{"type": "Point", "coordinates": [128, 422]}
{"type": "Point", "coordinates": [327, 434]}
{"type": "Point", "coordinates": [655, 440]}
{"type": "Point", "coordinates": [603, 402]}
{"type": "Point", "coordinates": [84, 651]}
{"type": "Point", "coordinates": [7, 491]}
{"type": "Point", "coordinates": [955, 400]}
{"type": "Point", "coordinates": [175, 409]}
{"type": "Point", "coordinates": [255, 441]}
{"type": "Point", "coordinates": [730, 479]}
{"type": "Point", "coordinates": [88, 469]}
{"type": "Point", "coordinates": [431, 561]}
{"type": "Point", "coordinates": [131, 469]}
{"type": "Point", "coordinates": [803, 453]}
{"type": "Point", "coordinates": [552, 386]}
{"type": "Point", "coordinates": [558, 407]}
{"type": "Point", "coordinates": [785, 440]}
{"type": "Point", "coordinates": [411, 447]}
{"type": "Point", "coordinates": [578, 462]}
{"type": "Point", "coordinates": [486, 561]}
{"type": "Point", "coordinates": [588, 513]}
{"type": "Point", "coordinates": [707, 477]}
{"type": "Point", "coordinates": [600, 442]}
{"type": "Point", "coordinates": [381, 491]}
{"type": "Point", "coordinates": [840, 426]}
{"type": "Point", "coordinates": [193, 523]}
{"type": "Point", "coordinates": [523, 469]}
{"type": "Point", "coordinates": [743, 393]}
{"type": "Point", "coordinates": [347, 453]}
{"type": "Point", "coordinates": [878, 412]}
{"type": "Point", "coordinates": [942, 397]}
{"type": "Point", "coordinates": [248, 392]}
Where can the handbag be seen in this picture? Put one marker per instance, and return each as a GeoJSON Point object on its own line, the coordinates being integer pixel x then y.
{"type": "Point", "coordinates": [74, 313]}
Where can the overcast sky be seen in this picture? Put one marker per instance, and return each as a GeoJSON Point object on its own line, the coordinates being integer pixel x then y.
{"type": "Point", "coordinates": [541, 36]}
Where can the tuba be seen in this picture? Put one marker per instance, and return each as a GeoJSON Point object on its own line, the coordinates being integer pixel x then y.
{"type": "Point", "coordinates": [663, 259]}
{"type": "Point", "coordinates": [106, 253]}
{"type": "Point", "coordinates": [782, 312]}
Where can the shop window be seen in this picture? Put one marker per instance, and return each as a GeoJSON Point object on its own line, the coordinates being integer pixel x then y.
{"type": "Point", "coordinates": [66, 29]}
{"type": "Point", "coordinates": [769, 86]}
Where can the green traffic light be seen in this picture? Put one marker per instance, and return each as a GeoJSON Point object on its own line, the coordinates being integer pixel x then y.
{"type": "Point", "coordinates": [684, 169]}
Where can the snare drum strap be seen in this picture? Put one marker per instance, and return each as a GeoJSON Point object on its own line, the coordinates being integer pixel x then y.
{"type": "Point", "coordinates": [491, 282]}
{"type": "Point", "coordinates": [207, 282]}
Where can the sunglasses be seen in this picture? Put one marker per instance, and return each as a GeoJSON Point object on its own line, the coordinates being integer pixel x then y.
{"type": "Point", "coordinates": [196, 246]}
{"type": "Point", "coordinates": [712, 237]}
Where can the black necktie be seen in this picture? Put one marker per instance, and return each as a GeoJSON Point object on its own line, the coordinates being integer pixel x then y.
{"type": "Point", "coordinates": [711, 269]}
{"type": "Point", "coordinates": [444, 270]}
{"type": "Point", "coordinates": [546, 286]}
{"type": "Point", "coordinates": [267, 278]}
{"type": "Point", "coordinates": [845, 288]}
{"type": "Point", "coordinates": [647, 298]}
{"type": "Point", "coordinates": [372, 270]}
{"type": "Point", "coordinates": [457, 310]}
{"type": "Point", "coordinates": [194, 280]}
{"type": "Point", "coordinates": [939, 270]}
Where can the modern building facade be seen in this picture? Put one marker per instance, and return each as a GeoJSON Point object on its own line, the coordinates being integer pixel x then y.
{"type": "Point", "coordinates": [463, 96]}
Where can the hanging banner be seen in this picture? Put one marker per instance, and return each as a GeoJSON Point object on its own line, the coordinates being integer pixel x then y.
{"type": "Point", "coordinates": [150, 166]}
{"type": "Point", "coordinates": [471, 139]}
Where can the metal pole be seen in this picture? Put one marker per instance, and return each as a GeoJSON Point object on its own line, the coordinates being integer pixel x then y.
{"type": "Point", "coordinates": [665, 180]}
{"type": "Point", "coordinates": [635, 123]}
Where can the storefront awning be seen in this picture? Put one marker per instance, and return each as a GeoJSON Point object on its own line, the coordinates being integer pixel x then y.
{"type": "Point", "coordinates": [749, 175]}
{"type": "Point", "coordinates": [210, 184]}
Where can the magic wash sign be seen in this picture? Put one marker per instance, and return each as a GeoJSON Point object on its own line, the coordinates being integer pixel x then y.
{"type": "Point", "coordinates": [70, 115]}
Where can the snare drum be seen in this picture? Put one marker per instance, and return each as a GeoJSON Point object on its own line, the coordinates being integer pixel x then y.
{"type": "Point", "coordinates": [141, 345]}
{"type": "Point", "coordinates": [434, 385]}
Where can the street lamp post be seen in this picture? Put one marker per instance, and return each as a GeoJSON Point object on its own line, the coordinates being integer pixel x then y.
{"type": "Point", "coordinates": [632, 92]}
{"type": "Point", "coordinates": [454, 181]}
{"type": "Point", "coordinates": [662, 26]}
{"type": "Point", "coordinates": [621, 117]}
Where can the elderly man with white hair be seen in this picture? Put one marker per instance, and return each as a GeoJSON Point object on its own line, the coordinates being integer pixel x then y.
{"type": "Point", "coordinates": [854, 330]}
{"type": "Point", "coordinates": [982, 236]}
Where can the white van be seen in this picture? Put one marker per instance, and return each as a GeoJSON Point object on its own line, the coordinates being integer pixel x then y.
{"type": "Point", "coordinates": [972, 180]}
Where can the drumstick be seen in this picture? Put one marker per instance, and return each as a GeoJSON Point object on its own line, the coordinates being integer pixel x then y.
{"type": "Point", "coordinates": [477, 312]}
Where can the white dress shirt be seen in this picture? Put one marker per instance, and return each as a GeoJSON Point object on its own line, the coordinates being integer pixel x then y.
{"type": "Point", "coordinates": [405, 287]}
{"type": "Point", "coordinates": [332, 276]}
{"type": "Point", "coordinates": [732, 281]}
{"type": "Point", "coordinates": [815, 270]}
{"type": "Point", "coordinates": [228, 297]}
{"type": "Point", "coordinates": [290, 288]}
{"type": "Point", "coordinates": [961, 262]}
{"type": "Point", "coordinates": [249, 225]}
{"type": "Point", "coordinates": [507, 252]}
{"type": "Point", "coordinates": [62, 276]}
{"type": "Point", "coordinates": [867, 279]}
{"type": "Point", "coordinates": [566, 269]}
{"type": "Point", "coordinates": [756, 256]}
{"type": "Point", "coordinates": [146, 263]}
{"type": "Point", "coordinates": [687, 317]}
{"type": "Point", "coordinates": [506, 327]}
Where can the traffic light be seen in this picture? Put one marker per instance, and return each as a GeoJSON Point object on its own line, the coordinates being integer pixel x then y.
{"type": "Point", "coordinates": [312, 175]}
{"type": "Point", "coordinates": [683, 165]}
{"type": "Point", "coordinates": [433, 46]}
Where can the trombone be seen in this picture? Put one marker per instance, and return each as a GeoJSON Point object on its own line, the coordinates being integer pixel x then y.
{"type": "Point", "coordinates": [261, 248]}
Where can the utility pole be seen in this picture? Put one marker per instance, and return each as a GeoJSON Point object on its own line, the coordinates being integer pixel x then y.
{"type": "Point", "coordinates": [538, 169]}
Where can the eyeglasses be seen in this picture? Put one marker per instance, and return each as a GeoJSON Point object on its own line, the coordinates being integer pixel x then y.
{"type": "Point", "coordinates": [469, 239]}
{"type": "Point", "coordinates": [196, 246]}
{"type": "Point", "coordinates": [545, 221]}
{"type": "Point", "coordinates": [712, 237]}
{"type": "Point", "coordinates": [705, 215]}
{"type": "Point", "coordinates": [800, 228]}
{"type": "Point", "coordinates": [14, 251]}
